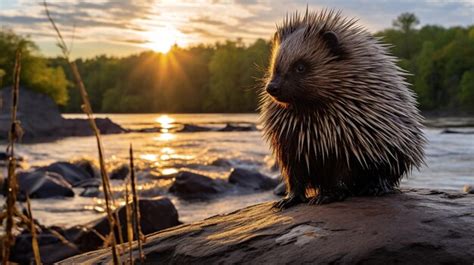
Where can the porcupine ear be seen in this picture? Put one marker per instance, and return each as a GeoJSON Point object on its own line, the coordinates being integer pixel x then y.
{"type": "Point", "coordinates": [332, 41]}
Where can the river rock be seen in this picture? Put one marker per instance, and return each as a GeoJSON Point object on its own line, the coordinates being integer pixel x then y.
{"type": "Point", "coordinates": [42, 184]}
{"type": "Point", "coordinates": [237, 128]}
{"type": "Point", "coordinates": [222, 162]}
{"type": "Point", "coordinates": [70, 172]}
{"type": "Point", "coordinates": [120, 172]}
{"type": "Point", "coordinates": [414, 227]}
{"type": "Point", "coordinates": [194, 128]}
{"type": "Point", "coordinates": [52, 249]}
{"type": "Point", "coordinates": [192, 186]}
{"type": "Point", "coordinates": [89, 167]}
{"type": "Point", "coordinates": [251, 179]}
{"type": "Point", "coordinates": [81, 127]}
{"type": "Point", "coordinates": [90, 192]}
{"type": "Point", "coordinates": [156, 214]}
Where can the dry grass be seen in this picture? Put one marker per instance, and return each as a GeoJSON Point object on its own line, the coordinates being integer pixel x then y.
{"type": "Point", "coordinates": [136, 210]}
{"type": "Point", "coordinates": [128, 211]}
{"type": "Point", "coordinates": [34, 240]}
{"type": "Point", "coordinates": [12, 186]}
{"type": "Point", "coordinates": [87, 109]}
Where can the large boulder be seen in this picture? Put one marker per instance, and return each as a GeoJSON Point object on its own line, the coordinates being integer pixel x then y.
{"type": "Point", "coordinates": [251, 179]}
{"type": "Point", "coordinates": [40, 118]}
{"type": "Point", "coordinates": [156, 214]}
{"type": "Point", "coordinates": [192, 186]}
{"type": "Point", "coordinates": [415, 227]}
{"type": "Point", "coordinates": [70, 172]}
{"type": "Point", "coordinates": [40, 184]}
{"type": "Point", "coordinates": [38, 114]}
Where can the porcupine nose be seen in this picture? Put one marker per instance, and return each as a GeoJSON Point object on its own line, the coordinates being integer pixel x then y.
{"type": "Point", "coordinates": [273, 88]}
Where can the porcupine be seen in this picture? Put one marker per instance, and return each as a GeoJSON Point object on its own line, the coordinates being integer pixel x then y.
{"type": "Point", "coordinates": [337, 111]}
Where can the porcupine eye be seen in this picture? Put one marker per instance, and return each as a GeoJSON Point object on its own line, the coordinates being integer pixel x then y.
{"type": "Point", "coordinates": [300, 68]}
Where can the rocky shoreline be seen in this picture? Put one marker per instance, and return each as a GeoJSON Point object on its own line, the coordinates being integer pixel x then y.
{"type": "Point", "coordinates": [41, 120]}
{"type": "Point", "coordinates": [64, 179]}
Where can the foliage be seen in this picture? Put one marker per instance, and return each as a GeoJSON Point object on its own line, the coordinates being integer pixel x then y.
{"type": "Point", "coordinates": [225, 77]}
{"type": "Point", "coordinates": [35, 74]}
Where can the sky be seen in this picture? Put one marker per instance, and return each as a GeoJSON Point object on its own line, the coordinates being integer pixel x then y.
{"type": "Point", "coordinates": [120, 28]}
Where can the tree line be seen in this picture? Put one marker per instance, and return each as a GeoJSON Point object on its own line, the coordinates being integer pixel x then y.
{"type": "Point", "coordinates": [225, 77]}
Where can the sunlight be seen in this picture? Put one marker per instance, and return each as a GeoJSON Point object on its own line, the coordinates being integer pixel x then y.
{"type": "Point", "coordinates": [165, 137]}
{"type": "Point", "coordinates": [169, 171]}
{"type": "Point", "coordinates": [149, 157]}
{"type": "Point", "coordinates": [165, 122]}
{"type": "Point", "coordinates": [162, 39]}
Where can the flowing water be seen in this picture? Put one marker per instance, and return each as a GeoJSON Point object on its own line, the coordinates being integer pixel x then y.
{"type": "Point", "coordinates": [449, 162]}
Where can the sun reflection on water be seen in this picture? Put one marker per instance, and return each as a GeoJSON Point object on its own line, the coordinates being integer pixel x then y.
{"type": "Point", "coordinates": [165, 137]}
{"type": "Point", "coordinates": [165, 122]}
{"type": "Point", "coordinates": [149, 157]}
{"type": "Point", "coordinates": [169, 171]}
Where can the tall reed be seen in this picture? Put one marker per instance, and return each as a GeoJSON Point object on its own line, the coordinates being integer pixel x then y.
{"type": "Point", "coordinates": [12, 186]}
{"type": "Point", "coordinates": [136, 207]}
{"type": "Point", "coordinates": [87, 109]}
{"type": "Point", "coordinates": [32, 226]}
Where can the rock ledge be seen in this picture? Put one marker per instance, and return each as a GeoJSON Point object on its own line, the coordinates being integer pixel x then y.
{"type": "Point", "coordinates": [415, 227]}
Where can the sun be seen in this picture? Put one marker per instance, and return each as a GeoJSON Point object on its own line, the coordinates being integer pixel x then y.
{"type": "Point", "coordinates": [163, 38]}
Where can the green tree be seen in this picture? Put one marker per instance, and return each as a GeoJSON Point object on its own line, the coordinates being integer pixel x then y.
{"type": "Point", "coordinates": [467, 90]}
{"type": "Point", "coordinates": [35, 72]}
{"type": "Point", "coordinates": [406, 22]}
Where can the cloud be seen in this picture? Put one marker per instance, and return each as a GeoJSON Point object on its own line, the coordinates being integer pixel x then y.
{"type": "Point", "coordinates": [123, 22]}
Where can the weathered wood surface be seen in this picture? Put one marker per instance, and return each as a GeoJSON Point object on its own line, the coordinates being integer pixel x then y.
{"type": "Point", "coordinates": [415, 227]}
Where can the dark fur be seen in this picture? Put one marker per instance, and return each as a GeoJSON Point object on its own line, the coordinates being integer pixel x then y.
{"type": "Point", "coordinates": [340, 118]}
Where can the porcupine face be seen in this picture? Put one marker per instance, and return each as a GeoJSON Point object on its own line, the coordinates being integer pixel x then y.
{"type": "Point", "coordinates": [298, 63]}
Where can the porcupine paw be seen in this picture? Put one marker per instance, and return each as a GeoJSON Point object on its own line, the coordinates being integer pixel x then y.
{"type": "Point", "coordinates": [380, 190]}
{"type": "Point", "coordinates": [289, 201]}
{"type": "Point", "coordinates": [328, 197]}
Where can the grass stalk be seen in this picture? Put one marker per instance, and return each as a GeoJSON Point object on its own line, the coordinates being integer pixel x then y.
{"type": "Point", "coordinates": [87, 109]}
{"type": "Point", "coordinates": [12, 186]}
{"type": "Point", "coordinates": [34, 239]}
{"type": "Point", "coordinates": [136, 207]}
{"type": "Point", "coordinates": [128, 212]}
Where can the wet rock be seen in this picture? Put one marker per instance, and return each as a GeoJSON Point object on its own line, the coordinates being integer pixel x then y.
{"type": "Point", "coordinates": [156, 214]}
{"type": "Point", "coordinates": [40, 184]}
{"type": "Point", "coordinates": [89, 167]}
{"type": "Point", "coordinates": [221, 162]}
{"type": "Point", "coordinates": [194, 128]}
{"type": "Point", "coordinates": [70, 172]}
{"type": "Point", "coordinates": [81, 127]}
{"type": "Point", "coordinates": [406, 228]}
{"type": "Point", "coordinates": [86, 183]}
{"type": "Point", "coordinates": [280, 190]}
{"type": "Point", "coordinates": [52, 249]}
{"type": "Point", "coordinates": [192, 186]}
{"type": "Point", "coordinates": [451, 131]}
{"type": "Point", "coordinates": [91, 192]}
{"type": "Point", "coordinates": [251, 179]}
{"type": "Point", "coordinates": [120, 172]}
{"type": "Point", "coordinates": [237, 128]}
